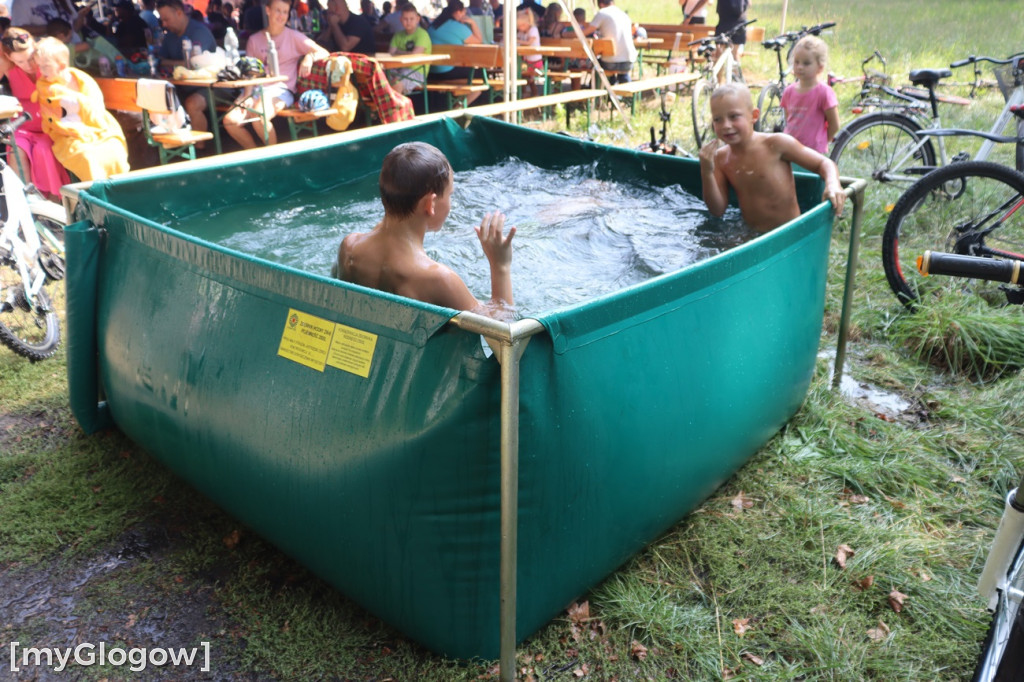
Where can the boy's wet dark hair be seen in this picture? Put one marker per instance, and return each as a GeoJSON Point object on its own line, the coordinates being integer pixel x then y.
{"type": "Point", "coordinates": [409, 172]}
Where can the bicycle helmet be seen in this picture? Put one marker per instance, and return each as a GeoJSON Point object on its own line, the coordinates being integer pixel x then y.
{"type": "Point", "coordinates": [313, 100]}
{"type": "Point", "coordinates": [251, 67]}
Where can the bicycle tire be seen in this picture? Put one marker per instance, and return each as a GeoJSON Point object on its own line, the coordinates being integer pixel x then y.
{"type": "Point", "coordinates": [769, 103]}
{"type": "Point", "coordinates": [32, 331]}
{"type": "Point", "coordinates": [939, 213]}
{"type": "Point", "coordinates": [700, 103]}
{"type": "Point", "coordinates": [1002, 653]}
{"type": "Point", "coordinates": [870, 146]}
{"type": "Point", "coordinates": [1019, 156]}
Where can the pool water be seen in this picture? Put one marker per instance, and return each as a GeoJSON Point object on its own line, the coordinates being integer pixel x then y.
{"type": "Point", "coordinates": [577, 236]}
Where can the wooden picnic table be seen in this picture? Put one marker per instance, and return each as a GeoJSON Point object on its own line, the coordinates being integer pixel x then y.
{"type": "Point", "coordinates": [544, 52]}
{"type": "Point", "coordinates": [210, 84]}
{"type": "Point", "coordinates": [398, 61]}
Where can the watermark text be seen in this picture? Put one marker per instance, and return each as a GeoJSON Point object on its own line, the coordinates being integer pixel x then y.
{"type": "Point", "coordinates": [136, 659]}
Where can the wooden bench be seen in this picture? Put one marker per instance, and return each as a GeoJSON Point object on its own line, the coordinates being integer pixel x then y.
{"type": "Point", "coordinates": [635, 88]}
{"type": "Point", "coordinates": [299, 120]}
{"type": "Point", "coordinates": [121, 94]}
{"type": "Point", "coordinates": [599, 46]}
{"type": "Point", "coordinates": [473, 57]}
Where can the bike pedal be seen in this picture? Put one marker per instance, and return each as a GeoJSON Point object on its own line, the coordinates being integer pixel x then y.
{"type": "Point", "coordinates": [960, 157]}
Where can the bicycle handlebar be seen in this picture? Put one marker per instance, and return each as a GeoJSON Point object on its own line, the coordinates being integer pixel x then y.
{"type": "Point", "coordinates": [8, 129]}
{"type": "Point", "coordinates": [972, 59]}
{"type": "Point", "coordinates": [973, 267]}
{"type": "Point", "coordinates": [780, 41]}
{"type": "Point", "coordinates": [723, 38]}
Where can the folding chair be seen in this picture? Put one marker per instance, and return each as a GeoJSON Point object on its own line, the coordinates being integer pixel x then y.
{"type": "Point", "coordinates": [164, 121]}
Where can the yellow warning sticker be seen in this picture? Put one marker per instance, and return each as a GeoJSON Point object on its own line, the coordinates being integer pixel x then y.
{"type": "Point", "coordinates": [352, 350]}
{"type": "Point", "coordinates": [306, 339]}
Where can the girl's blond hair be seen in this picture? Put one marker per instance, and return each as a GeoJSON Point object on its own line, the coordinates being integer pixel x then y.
{"type": "Point", "coordinates": [53, 48]}
{"type": "Point", "coordinates": [815, 46]}
{"type": "Point", "coordinates": [528, 13]}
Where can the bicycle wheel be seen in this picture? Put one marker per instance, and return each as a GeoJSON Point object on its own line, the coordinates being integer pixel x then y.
{"type": "Point", "coordinates": [769, 103]}
{"type": "Point", "coordinates": [969, 208]}
{"type": "Point", "coordinates": [32, 329]}
{"type": "Point", "coordinates": [885, 147]}
{"type": "Point", "coordinates": [701, 104]}
{"type": "Point", "coordinates": [1002, 653]}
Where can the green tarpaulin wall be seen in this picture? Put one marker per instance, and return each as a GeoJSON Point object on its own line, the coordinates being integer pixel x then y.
{"type": "Point", "coordinates": [634, 407]}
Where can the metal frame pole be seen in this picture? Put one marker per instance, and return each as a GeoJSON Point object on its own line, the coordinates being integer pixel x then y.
{"type": "Point", "coordinates": [512, 339]}
{"type": "Point", "coordinates": [855, 190]}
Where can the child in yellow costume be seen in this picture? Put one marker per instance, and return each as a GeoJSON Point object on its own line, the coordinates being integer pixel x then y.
{"type": "Point", "coordinates": [87, 139]}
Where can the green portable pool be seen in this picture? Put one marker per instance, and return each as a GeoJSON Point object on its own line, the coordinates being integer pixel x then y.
{"type": "Point", "coordinates": [365, 434]}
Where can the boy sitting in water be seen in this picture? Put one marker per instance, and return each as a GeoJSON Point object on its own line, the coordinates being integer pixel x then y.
{"type": "Point", "coordinates": [416, 184]}
{"type": "Point", "coordinates": [757, 165]}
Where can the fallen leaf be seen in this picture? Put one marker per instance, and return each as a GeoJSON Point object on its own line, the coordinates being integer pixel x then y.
{"type": "Point", "coordinates": [820, 608]}
{"type": "Point", "coordinates": [957, 479]}
{"type": "Point", "coordinates": [756, 660]}
{"type": "Point", "coordinates": [864, 583]}
{"type": "Point", "coordinates": [740, 502]}
{"type": "Point", "coordinates": [843, 552]}
{"type": "Point", "coordinates": [132, 618]}
{"type": "Point", "coordinates": [740, 625]}
{"type": "Point", "coordinates": [728, 673]}
{"type": "Point", "coordinates": [896, 600]}
{"type": "Point", "coordinates": [859, 499]}
{"type": "Point", "coordinates": [879, 633]}
{"type": "Point", "coordinates": [231, 539]}
{"type": "Point", "coordinates": [579, 613]}
{"type": "Point", "coordinates": [638, 651]}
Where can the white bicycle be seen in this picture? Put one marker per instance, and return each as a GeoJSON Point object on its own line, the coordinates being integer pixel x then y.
{"type": "Point", "coordinates": [31, 262]}
{"type": "Point", "coordinates": [723, 69]}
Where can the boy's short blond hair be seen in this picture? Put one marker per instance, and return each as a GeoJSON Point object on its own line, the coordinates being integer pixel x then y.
{"type": "Point", "coordinates": [53, 48]}
{"type": "Point", "coordinates": [815, 46]}
{"type": "Point", "coordinates": [738, 89]}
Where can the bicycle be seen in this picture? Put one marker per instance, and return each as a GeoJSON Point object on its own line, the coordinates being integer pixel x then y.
{"type": "Point", "coordinates": [899, 144]}
{"type": "Point", "coordinates": [970, 208]}
{"type": "Point", "coordinates": [31, 263]}
{"type": "Point", "coordinates": [725, 68]}
{"type": "Point", "coordinates": [1002, 585]}
{"type": "Point", "coordinates": [769, 100]}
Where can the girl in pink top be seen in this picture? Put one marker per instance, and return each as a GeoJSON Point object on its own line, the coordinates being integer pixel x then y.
{"type": "Point", "coordinates": [812, 116]}
{"type": "Point", "coordinates": [295, 56]}
{"type": "Point", "coordinates": [36, 162]}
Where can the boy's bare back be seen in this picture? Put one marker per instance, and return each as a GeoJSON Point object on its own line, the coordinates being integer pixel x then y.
{"type": "Point", "coordinates": [386, 261]}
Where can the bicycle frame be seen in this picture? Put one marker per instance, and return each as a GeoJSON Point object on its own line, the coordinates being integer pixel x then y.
{"type": "Point", "coordinates": [24, 244]}
{"type": "Point", "coordinates": [933, 131]}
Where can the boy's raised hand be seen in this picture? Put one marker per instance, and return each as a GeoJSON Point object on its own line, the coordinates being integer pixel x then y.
{"type": "Point", "coordinates": [497, 247]}
{"type": "Point", "coordinates": [707, 154]}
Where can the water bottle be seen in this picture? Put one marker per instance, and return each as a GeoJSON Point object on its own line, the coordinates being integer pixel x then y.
{"type": "Point", "coordinates": [119, 66]}
{"type": "Point", "coordinates": [273, 67]}
{"type": "Point", "coordinates": [231, 46]}
{"type": "Point", "coordinates": [151, 58]}
{"type": "Point", "coordinates": [186, 51]}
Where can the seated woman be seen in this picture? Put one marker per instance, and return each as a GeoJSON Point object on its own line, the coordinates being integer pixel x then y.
{"type": "Point", "coordinates": [36, 162]}
{"type": "Point", "coordinates": [87, 139]}
{"type": "Point", "coordinates": [453, 27]}
{"type": "Point", "coordinates": [295, 54]}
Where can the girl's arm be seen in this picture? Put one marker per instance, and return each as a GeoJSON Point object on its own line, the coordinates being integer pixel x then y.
{"type": "Point", "coordinates": [832, 121]}
{"type": "Point", "coordinates": [477, 38]}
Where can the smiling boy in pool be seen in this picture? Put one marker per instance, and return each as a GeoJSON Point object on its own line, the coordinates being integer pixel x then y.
{"type": "Point", "coordinates": [416, 185]}
{"type": "Point", "coordinates": [757, 165]}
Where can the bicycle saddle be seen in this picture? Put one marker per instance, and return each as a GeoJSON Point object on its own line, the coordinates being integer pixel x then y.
{"type": "Point", "coordinates": [928, 77]}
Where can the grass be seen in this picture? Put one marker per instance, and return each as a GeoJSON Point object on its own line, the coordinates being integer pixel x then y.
{"type": "Point", "coordinates": [752, 594]}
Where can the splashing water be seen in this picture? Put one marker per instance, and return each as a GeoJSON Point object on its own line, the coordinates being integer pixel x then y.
{"type": "Point", "coordinates": [577, 237]}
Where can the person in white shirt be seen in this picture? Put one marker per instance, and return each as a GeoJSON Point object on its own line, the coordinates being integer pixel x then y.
{"type": "Point", "coordinates": [611, 22]}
